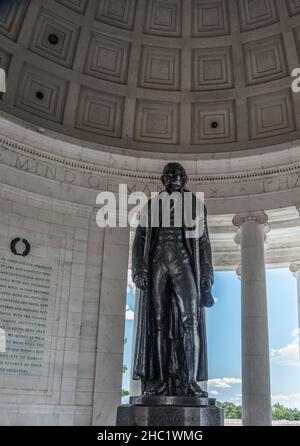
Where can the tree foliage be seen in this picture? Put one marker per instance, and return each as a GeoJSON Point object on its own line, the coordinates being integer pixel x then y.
{"type": "Point", "coordinates": [231, 410]}
{"type": "Point", "coordinates": [124, 370]}
{"type": "Point", "coordinates": [279, 412]}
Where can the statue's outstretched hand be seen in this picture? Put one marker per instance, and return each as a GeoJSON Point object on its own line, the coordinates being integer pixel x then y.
{"type": "Point", "coordinates": [141, 280]}
{"type": "Point", "coordinates": [206, 287]}
{"type": "Point", "coordinates": [206, 284]}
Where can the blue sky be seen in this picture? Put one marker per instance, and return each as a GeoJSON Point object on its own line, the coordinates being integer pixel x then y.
{"type": "Point", "coordinates": [224, 338]}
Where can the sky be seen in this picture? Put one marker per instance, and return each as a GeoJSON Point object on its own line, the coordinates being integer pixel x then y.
{"type": "Point", "coordinates": [224, 338]}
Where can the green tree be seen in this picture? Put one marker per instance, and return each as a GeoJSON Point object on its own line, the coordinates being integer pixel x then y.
{"type": "Point", "coordinates": [231, 410]}
{"type": "Point", "coordinates": [279, 412]}
{"type": "Point", "coordinates": [124, 370]}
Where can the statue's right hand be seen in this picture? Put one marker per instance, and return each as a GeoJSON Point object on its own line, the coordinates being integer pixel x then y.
{"type": "Point", "coordinates": [141, 280]}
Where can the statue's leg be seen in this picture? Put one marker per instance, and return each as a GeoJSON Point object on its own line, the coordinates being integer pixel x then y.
{"type": "Point", "coordinates": [158, 312]}
{"type": "Point", "coordinates": [187, 301]}
{"type": "Point", "coordinates": [191, 344]}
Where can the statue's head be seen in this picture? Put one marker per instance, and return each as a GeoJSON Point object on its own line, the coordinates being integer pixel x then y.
{"type": "Point", "coordinates": [174, 177]}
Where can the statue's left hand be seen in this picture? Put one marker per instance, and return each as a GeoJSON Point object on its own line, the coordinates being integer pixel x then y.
{"type": "Point", "coordinates": [141, 280]}
{"type": "Point", "coordinates": [206, 284]}
{"type": "Point", "coordinates": [207, 297]}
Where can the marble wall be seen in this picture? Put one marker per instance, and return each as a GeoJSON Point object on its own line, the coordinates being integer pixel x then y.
{"type": "Point", "coordinates": [80, 382]}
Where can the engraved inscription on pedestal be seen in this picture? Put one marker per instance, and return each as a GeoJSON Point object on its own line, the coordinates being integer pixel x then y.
{"type": "Point", "coordinates": [176, 419]}
{"type": "Point", "coordinates": [170, 411]}
{"type": "Point", "coordinates": [24, 304]}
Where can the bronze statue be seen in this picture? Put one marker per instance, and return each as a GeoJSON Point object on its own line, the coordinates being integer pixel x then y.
{"type": "Point", "coordinates": [175, 275]}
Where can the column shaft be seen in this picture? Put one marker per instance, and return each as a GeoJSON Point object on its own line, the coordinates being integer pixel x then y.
{"type": "Point", "coordinates": [110, 344]}
{"type": "Point", "coordinates": [298, 299]}
{"type": "Point", "coordinates": [256, 392]}
{"type": "Point", "coordinates": [295, 269]}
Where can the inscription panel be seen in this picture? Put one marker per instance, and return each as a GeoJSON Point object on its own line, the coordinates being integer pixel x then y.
{"type": "Point", "coordinates": [26, 310]}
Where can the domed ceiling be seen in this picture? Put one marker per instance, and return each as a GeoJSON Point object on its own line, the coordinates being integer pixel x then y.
{"type": "Point", "coordinates": [186, 76]}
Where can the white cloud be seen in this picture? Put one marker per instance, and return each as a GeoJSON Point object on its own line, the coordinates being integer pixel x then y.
{"type": "Point", "coordinates": [296, 333]}
{"type": "Point", "coordinates": [287, 356]}
{"type": "Point", "coordinates": [279, 398]}
{"type": "Point", "coordinates": [215, 392]}
{"type": "Point", "coordinates": [290, 400]}
{"type": "Point", "coordinates": [129, 313]}
{"type": "Point", "coordinates": [237, 399]}
{"type": "Point", "coordinates": [224, 383]}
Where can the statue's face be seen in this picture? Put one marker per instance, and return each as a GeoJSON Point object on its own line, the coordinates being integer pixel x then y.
{"type": "Point", "coordinates": [173, 178]}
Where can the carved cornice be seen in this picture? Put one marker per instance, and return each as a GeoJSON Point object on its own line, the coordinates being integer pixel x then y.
{"type": "Point", "coordinates": [85, 167]}
{"type": "Point", "coordinates": [40, 201]}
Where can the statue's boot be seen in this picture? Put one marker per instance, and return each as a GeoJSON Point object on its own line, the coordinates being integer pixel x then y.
{"type": "Point", "coordinates": [195, 390]}
{"type": "Point", "coordinates": [160, 387]}
{"type": "Point", "coordinates": [192, 354]}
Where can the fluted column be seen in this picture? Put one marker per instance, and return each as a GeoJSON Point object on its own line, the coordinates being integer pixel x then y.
{"type": "Point", "coordinates": [111, 324]}
{"type": "Point", "coordinates": [256, 391]}
{"type": "Point", "coordinates": [295, 269]}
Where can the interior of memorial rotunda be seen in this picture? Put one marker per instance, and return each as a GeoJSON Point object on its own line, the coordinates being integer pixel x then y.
{"type": "Point", "coordinates": [101, 93]}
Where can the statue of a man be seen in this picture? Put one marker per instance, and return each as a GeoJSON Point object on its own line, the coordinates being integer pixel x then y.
{"type": "Point", "coordinates": [175, 275]}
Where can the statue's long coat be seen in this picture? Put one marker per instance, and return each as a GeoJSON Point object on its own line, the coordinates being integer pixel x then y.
{"type": "Point", "coordinates": [200, 252]}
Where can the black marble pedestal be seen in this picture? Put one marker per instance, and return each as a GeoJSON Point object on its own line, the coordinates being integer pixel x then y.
{"type": "Point", "coordinates": [170, 411]}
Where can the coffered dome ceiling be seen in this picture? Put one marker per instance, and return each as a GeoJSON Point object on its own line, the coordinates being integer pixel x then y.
{"type": "Point", "coordinates": [186, 76]}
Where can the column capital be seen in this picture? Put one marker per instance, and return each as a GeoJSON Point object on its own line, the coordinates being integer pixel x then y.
{"type": "Point", "coordinates": [295, 267]}
{"type": "Point", "coordinates": [257, 216]}
{"type": "Point", "coordinates": [298, 208]}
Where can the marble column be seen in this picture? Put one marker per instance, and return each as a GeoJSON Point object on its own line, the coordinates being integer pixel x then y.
{"type": "Point", "coordinates": [298, 209]}
{"type": "Point", "coordinates": [295, 269]}
{"type": "Point", "coordinates": [256, 391]}
{"type": "Point", "coordinates": [111, 324]}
